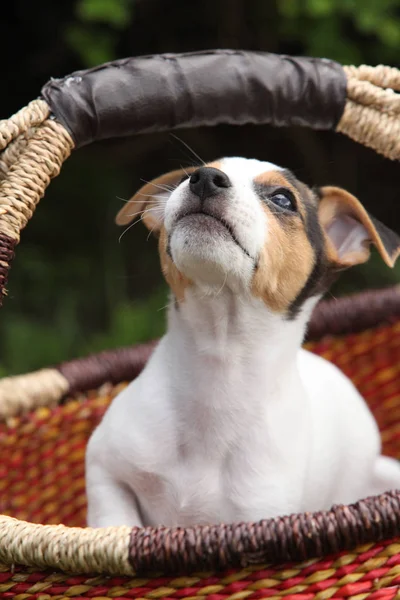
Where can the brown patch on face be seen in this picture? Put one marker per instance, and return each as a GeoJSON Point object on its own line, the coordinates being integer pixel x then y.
{"type": "Point", "coordinates": [176, 281]}
{"type": "Point", "coordinates": [273, 178]}
{"type": "Point", "coordinates": [216, 164]}
{"type": "Point", "coordinates": [288, 257]}
{"type": "Point", "coordinates": [145, 199]}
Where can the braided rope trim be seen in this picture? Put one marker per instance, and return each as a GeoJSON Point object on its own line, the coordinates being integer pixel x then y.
{"type": "Point", "coordinates": [354, 313]}
{"type": "Point", "coordinates": [23, 393]}
{"type": "Point", "coordinates": [46, 387]}
{"type": "Point", "coordinates": [112, 366]}
{"type": "Point", "coordinates": [125, 551]}
{"type": "Point", "coordinates": [371, 571]}
{"type": "Point", "coordinates": [381, 75]}
{"type": "Point", "coordinates": [31, 115]}
{"type": "Point", "coordinates": [10, 154]}
{"type": "Point", "coordinates": [371, 113]}
{"type": "Point", "coordinates": [28, 178]}
{"type": "Point", "coordinates": [7, 246]}
{"type": "Point", "coordinates": [365, 93]}
{"type": "Point", "coordinates": [275, 541]}
{"type": "Point", "coordinates": [70, 549]}
{"type": "Point", "coordinates": [27, 166]}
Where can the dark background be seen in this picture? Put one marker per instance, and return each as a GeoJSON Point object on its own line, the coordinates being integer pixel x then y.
{"type": "Point", "coordinates": [74, 288]}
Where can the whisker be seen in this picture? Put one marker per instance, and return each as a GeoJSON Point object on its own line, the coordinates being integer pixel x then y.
{"type": "Point", "coordinates": [151, 209]}
{"type": "Point", "coordinates": [186, 173]}
{"type": "Point", "coordinates": [222, 286]}
{"type": "Point", "coordinates": [192, 162]}
{"type": "Point", "coordinates": [166, 306]}
{"type": "Point", "coordinates": [150, 232]}
{"type": "Point", "coordinates": [129, 227]}
{"type": "Point", "coordinates": [152, 196]}
{"type": "Point", "coordinates": [189, 148]}
{"type": "Point", "coordinates": [135, 222]}
{"type": "Point", "coordinates": [161, 186]}
{"type": "Point", "coordinates": [163, 198]}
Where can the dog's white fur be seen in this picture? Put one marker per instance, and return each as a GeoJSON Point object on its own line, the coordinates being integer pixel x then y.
{"type": "Point", "coordinates": [230, 420]}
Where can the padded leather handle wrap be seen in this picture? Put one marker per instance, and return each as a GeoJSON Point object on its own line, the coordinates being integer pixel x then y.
{"type": "Point", "coordinates": [168, 91]}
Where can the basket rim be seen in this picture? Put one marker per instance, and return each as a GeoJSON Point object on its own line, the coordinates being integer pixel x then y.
{"type": "Point", "coordinates": [154, 550]}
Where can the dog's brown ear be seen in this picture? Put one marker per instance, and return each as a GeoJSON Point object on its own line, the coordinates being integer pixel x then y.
{"type": "Point", "coordinates": [350, 230]}
{"type": "Point", "coordinates": [150, 200]}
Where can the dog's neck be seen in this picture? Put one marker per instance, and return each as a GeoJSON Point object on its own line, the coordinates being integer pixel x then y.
{"type": "Point", "coordinates": [229, 326]}
{"type": "Point", "coordinates": [228, 346]}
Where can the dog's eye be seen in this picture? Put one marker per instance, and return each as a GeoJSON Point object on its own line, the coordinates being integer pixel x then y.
{"type": "Point", "coordinates": [284, 200]}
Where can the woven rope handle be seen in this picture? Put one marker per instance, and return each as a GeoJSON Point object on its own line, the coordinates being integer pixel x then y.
{"type": "Point", "coordinates": [372, 111]}
{"type": "Point", "coordinates": [33, 149]}
{"type": "Point", "coordinates": [34, 144]}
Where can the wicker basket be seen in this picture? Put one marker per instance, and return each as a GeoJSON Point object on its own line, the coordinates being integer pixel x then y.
{"type": "Point", "coordinates": [46, 417]}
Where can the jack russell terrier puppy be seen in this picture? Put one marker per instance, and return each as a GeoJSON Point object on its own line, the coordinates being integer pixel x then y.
{"type": "Point", "coordinates": [231, 420]}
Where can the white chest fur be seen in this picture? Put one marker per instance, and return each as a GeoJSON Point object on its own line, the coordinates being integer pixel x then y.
{"type": "Point", "coordinates": [230, 421]}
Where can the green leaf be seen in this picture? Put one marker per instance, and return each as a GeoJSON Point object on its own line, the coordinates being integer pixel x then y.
{"type": "Point", "coordinates": [132, 323]}
{"type": "Point", "coordinates": [327, 41]}
{"type": "Point", "coordinates": [112, 12]}
{"type": "Point", "coordinates": [320, 8]}
{"type": "Point", "coordinates": [290, 9]}
{"type": "Point", "coordinates": [93, 46]}
{"type": "Point", "coordinates": [389, 32]}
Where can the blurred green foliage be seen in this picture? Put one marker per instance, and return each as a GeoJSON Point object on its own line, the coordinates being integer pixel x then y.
{"type": "Point", "coordinates": [329, 28]}
{"type": "Point", "coordinates": [74, 289]}
{"type": "Point", "coordinates": [29, 345]}
{"type": "Point", "coordinates": [332, 28]}
{"type": "Point", "coordinates": [94, 33]}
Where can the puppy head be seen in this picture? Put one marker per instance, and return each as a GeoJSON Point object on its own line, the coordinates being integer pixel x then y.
{"type": "Point", "coordinates": [255, 228]}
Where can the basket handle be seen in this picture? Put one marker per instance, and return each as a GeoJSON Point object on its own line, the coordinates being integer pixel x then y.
{"type": "Point", "coordinates": [163, 92]}
{"type": "Point", "coordinates": [168, 91]}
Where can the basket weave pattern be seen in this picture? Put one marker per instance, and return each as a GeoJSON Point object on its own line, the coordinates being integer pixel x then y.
{"type": "Point", "coordinates": [42, 481]}
{"type": "Point", "coordinates": [372, 572]}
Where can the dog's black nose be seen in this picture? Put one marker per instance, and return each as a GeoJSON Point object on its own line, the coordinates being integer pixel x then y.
{"type": "Point", "coordinates": [207, 181]}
